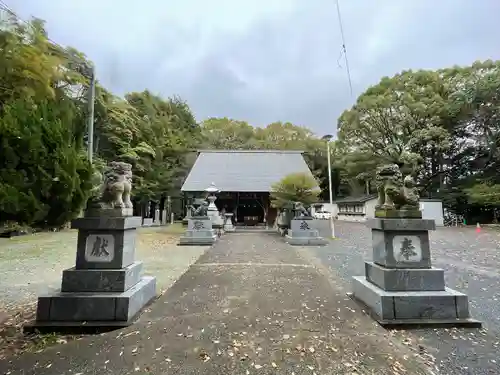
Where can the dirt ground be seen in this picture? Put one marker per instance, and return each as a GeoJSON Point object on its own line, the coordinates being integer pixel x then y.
{"type": "Point", "coordinates": [32, 265]}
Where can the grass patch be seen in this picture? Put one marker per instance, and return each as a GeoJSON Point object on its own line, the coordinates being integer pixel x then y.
{"type": "Point", "coordinates": [39, 236]}
{"type": "Point", "coordinates": [172, 229]}
{"type": "Point", "coordinates": [175, 228]}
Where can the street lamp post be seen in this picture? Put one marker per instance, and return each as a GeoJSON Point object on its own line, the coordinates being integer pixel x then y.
{"type": "Point", "coordinates": [90, 118]}
{"type": "Point", "coordinates": [330, 189]}
{"type": "Point", "coordinates": [88, 71]}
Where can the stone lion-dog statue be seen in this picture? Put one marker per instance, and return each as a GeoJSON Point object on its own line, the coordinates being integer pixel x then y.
{"type": "Point", "coordinates": [394, 192]}
{"type": "Point", "coordinates": [115, 187]}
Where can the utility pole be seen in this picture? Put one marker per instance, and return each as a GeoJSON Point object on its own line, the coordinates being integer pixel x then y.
{"type": "Point", "coordinates": [90, 119]}
{"type": "Point", "coordinates": [330, 189]}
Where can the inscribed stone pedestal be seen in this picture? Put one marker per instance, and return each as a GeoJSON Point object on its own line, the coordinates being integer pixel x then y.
{"type": "Point", "coordinates": [199, 232]}
{"type": "Point", "coordinates": [400, 286]}
{"type": "Point", "coordinates": [105, 288]}
{"type": "Point", "coordinates": [399, 243]}
{"type": "Point", "coordinates": [302, 233]}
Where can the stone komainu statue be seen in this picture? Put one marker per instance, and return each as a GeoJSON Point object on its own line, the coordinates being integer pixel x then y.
{"type": "Point", "coordinates": [201, 210]}
{"type": "Point", "coordinates": [394, 193]}
{"type": "Point", "coordinates": [300, 210]}
{"type": "Point", "coordinates": [116, 187]}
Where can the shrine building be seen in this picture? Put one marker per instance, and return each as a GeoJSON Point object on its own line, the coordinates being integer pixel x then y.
{"type": "Point", "coordinates": [244, 178]}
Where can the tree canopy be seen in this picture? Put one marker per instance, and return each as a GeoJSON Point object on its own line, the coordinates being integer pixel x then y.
{"type": "Point", "coordinates": [296, 187]}
{"type": "Point", "coordinates": [442, 126]}
{"type": "Point", "coordinates": [44, 171]}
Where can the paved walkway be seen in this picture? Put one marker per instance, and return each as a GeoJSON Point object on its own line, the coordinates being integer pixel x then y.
{"type": "Point", "coordinates": [250, 305]}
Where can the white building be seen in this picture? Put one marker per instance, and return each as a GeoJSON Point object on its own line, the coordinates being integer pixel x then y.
{"type": "Point", "coordinates": [363, 208]}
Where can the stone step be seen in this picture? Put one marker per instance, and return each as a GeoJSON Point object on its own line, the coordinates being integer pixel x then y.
{"type": "Point", "coordinates": [405, 279]}
{"type": "Point", "coordinates": [101, 280]}
{"type": "Point", "coordinates": [89, 307]}
{"type": "Point", "coordinates": [417, 305]}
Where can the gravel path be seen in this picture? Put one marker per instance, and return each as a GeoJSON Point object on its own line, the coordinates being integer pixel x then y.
{"type": "Point", "coordinates": [472, 265]}
{"type": "Point", "coordinates": [32, 265]}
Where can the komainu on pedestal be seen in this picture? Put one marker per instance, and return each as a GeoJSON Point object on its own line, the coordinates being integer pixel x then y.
{"type": "Point", "coordinates": [302, 232]}
{"type": "Point", "coordinates": [199, 231]}
{"type": "Point", "coordinates": [105, 288]}
{"type": "Point", "coordinates": [400, 286]}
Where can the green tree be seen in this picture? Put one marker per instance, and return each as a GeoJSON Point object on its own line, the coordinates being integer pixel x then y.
{"type": "Point", "coordinates": [296, 187]}
{"type": "Point", "coordinates": [155, 135]}
{"type": "Point", "coordinates": [228, 134]}
{"type": "Point", "coordinates": [44, 173]}
{"type": "Point", "coordinates": [486, 194]}
{"type": "Point", "coordinates": [400, 120]}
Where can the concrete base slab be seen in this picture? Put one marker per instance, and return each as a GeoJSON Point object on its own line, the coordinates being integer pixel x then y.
{"type": "Point", "coordinates": [411, 307]}
{"type": "Point", "coordinates": [404, 324]}
{"type": "Point", "coordinates": [78, 327]}
{"type": "Point", "coordinates": [255, 229]}
{"type": "Point", "coordinates": [305, 241]}
{"type": "Point", "coordinates": [197, 241]}
{"type": "Point", "coordinates": [118, 309]}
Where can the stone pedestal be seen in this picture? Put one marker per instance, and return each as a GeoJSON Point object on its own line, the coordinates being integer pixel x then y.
{"type": "Point", "coordinates": [228, 223]}
{"type": "Point", "coordinates": [147, 222]}
{"type": "Point", "coordinates": [400, 286]}
{"type": "Point", "coordinates": [301, 233]}
{"type": "Point", "coordinates": [214, 214]}
{"type": "Point", "coordinates": [199, 232]}
{"type": "Point", "coordinates": [105, 288]}
{"type": "Point", "coordinates": [186, 218]}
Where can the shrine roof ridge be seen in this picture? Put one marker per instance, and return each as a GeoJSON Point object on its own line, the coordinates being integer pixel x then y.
{"type": "Point", "coordinates": [243, 170]}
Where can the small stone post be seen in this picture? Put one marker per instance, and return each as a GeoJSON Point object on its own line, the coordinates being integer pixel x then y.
{"type": "Point", "coordinates": [400, 286]}
{"type": "Point", "coordinates": [105, 288]}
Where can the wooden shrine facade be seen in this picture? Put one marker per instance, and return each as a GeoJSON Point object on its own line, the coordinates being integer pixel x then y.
{"type": "Point", "coordinates": [248, 208]}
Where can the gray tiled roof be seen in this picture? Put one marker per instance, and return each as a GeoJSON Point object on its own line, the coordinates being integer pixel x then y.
{"type": "Point", "coordinates": [243, 171]}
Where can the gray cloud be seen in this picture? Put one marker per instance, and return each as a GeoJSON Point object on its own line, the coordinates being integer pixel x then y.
{"type": "Point", "coordinates": [267, 60]}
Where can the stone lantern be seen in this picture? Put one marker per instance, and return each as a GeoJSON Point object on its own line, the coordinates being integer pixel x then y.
{"type": "Point", "coordinates": [213, 212]}
{"type": "Point", "coordinates": [211, 191]}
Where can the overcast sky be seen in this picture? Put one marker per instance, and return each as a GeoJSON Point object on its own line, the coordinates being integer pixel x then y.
{"type": "Point", "coordinates": [267, 60]}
